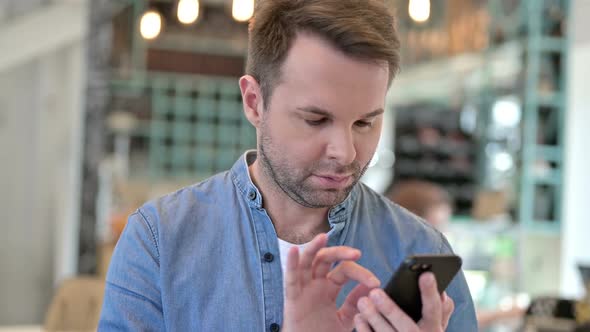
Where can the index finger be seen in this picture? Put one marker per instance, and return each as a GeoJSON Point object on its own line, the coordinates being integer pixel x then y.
{"type": "Point", "coordinates": [326, 257]}
{"type": "Point", "coordinates": [348, 270]}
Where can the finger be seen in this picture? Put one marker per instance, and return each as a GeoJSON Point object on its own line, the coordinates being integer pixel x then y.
{"type": "Point", "coordinates": [360, 324]}
{"type": "Point", "coordinates": [326, 257]}
{"type": "Point", "coordinates": [349, 309]}
{"type": "Point", "coordinates": [292, 282]}
{"type": "Point", "coordinates": [448, 306]}
{"type": "Point", "coordinates": [370, 313]}
{"type": "Point", "coordinates": [391, 311]}
{"type": "Point", "coordinates": [308, 256]}
{"type": "Point", "coordinates": [347, 270]}
{"type": "Point", "coordinates": [431, 303]}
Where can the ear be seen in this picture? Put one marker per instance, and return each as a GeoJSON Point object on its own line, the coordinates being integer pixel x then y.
{"type": "Point", "coordinates": [251, 99]}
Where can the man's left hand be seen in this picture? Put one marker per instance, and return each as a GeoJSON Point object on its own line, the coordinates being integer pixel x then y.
{"type": "Point", "coordinates": [379, 312]}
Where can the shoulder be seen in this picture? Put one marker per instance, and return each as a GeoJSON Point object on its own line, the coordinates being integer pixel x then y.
{"type": "Point", "coordinates": [188, 203]}
{"type": "Point", "coordinates": [379, 213]}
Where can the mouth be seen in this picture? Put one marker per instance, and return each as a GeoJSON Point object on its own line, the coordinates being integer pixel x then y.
{"type": "Point", "coordinates": [331, 181]}
{"type": "Point", "coordinates": [336, 178]}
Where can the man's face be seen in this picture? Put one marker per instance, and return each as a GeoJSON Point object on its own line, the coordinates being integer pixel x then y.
{"type": "Point", "coordinates": [322, 123]}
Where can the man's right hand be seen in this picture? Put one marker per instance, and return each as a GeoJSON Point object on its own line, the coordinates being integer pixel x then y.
{"type": "Point", "coordinates": [312, 286]}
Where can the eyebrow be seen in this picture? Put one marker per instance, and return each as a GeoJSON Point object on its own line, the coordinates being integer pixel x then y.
{"type": "Point", "coordinates": [320, 111]}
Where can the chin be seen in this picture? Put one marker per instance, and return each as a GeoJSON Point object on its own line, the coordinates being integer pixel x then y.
{"type": "Point", "coordinates": [329, 199]}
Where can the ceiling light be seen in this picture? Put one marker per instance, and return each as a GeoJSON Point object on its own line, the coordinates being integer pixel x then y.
{"type": "Point", "coordinates": [419, 10]}
{"type": "Point", "coordinates": [242, 10]}
{"type": "Point", "coordinates": [150, 24]}
{"type": "Point", "coordinates": [188, 11]}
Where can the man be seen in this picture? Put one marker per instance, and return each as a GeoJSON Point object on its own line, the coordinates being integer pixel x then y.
{"type": "Point", "coordinates": [208, 257]}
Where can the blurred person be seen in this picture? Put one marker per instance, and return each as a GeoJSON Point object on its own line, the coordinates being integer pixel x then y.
{"type": "Point", "coordinates": [425, 199]}
{"type": "Point", "coordinates": [225, 253]}
{"type": "Point", "coordinates": [433, 203]}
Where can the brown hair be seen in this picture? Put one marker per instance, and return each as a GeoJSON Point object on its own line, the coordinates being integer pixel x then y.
{"type": "Point", "coordinates": [418, 196]}
{"type": "Point", "coordinates": [362, 29]}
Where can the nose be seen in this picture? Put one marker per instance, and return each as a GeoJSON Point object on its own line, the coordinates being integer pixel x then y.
{"type": "Point", "coordinates": [341, 147]}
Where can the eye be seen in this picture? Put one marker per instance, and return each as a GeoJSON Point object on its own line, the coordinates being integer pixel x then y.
{"type": "Point", "coordinates": [364, 124]}
{"type": "Point", "coordinates": [315, 123]}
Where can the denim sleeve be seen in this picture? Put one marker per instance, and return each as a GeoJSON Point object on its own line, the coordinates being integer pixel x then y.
{"type": "Point", "coordinates": [463, 318]}
{"type": "Point", "coordinates": [132, 300]}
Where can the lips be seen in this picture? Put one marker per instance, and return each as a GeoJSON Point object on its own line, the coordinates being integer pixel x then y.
{"type": "Point", "coordinates": [335, 178]}
{"type": "Point", "coordinates": [330, 181]}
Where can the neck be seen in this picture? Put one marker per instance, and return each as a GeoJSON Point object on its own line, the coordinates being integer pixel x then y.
{"type": "Point", "coordinates": [293, 222]}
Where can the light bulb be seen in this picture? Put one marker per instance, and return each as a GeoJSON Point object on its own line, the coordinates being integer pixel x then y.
{"type": "Point", "coordinates": [419, 10]}
{"type": "Point", "coordinates": [242, 10]}
{"type": "Point", "coordinates": [150, 24]}
{"type": "Point", "coordinates": [503, 161]}
{"type": "Point", "coordinates": [188, 11]}
{"type": "Point", "coordinates": [506, 112]}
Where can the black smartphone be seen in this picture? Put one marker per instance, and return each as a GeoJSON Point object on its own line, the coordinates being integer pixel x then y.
{"type": "Point", "coordinates": [403, 287]}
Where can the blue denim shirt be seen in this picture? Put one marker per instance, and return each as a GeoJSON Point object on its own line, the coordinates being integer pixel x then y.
{"type": "Point", "coordinates": [196, 260]}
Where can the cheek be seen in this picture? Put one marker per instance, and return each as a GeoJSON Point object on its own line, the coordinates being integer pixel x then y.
{"type": "Point", "coordinates": [290, 144]}
{"type": "Point", "coordinates": [293, 141]}
{"type": "Point", "coordinates": [304, 152]}
{"type": "Point", "coordinates": [366, 145]}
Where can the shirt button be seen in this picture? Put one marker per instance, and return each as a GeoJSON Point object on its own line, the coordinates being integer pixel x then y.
{"type": "Point", "coordinates": [269, 257]}
{"type": "Point", "coordinates": [274, 327]}
{"type": "Point", "coordinates": [252, 195]}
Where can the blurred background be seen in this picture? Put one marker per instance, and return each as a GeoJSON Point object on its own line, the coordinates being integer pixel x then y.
{"type": "Point", "coordinates": [105, 104]}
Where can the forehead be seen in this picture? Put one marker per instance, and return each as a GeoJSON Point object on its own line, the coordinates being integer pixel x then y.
{"type": "Point", "coordinates": [318, 73]}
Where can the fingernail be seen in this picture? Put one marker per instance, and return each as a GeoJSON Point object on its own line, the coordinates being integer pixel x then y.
{"type": "Point", "coordinates": [374, 281]}
{"type": "Point", "coordinates": [376, 296]}
{"type": "Point", "coordinates": [429, 279]}
{"type": "Point", "coordinates": [352, 252]}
